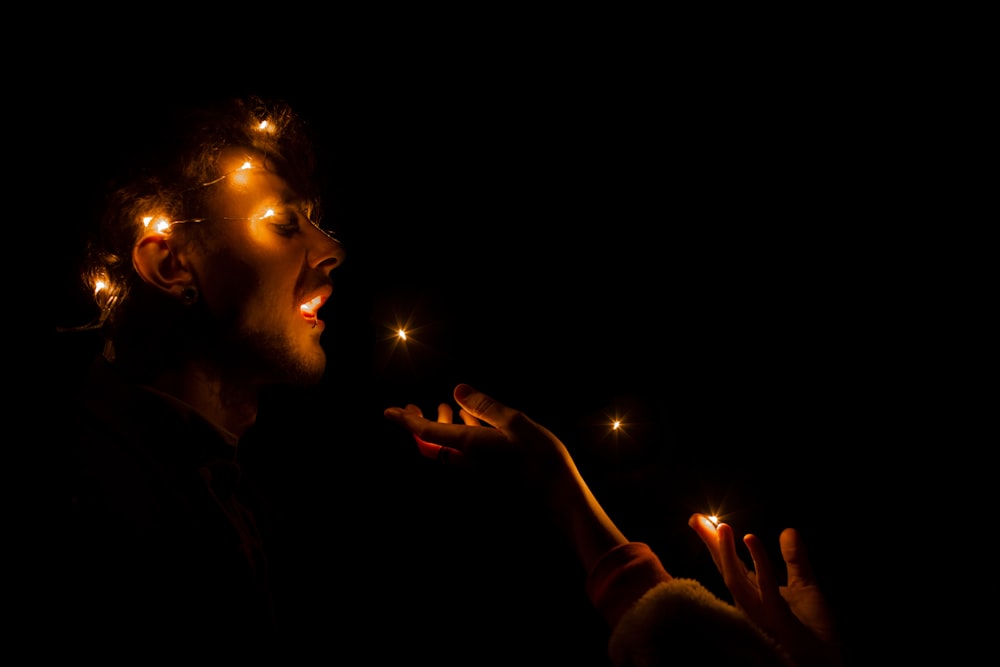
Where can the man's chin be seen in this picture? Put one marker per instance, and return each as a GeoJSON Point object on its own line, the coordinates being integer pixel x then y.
{"type": "Point", "coordinates": [308, 372]}
{"type": "Point", "coordinates": [285, 359]}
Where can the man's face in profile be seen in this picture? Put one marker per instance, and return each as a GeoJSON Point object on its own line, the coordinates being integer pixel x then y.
{"type": "Point", "coordinates": [264, 272]}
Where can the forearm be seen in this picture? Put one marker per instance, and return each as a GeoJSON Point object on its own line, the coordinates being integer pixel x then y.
{"type": "Point", "coordinates": [575, 511]}
{"type": "Point", "coordinates": [618, 572]}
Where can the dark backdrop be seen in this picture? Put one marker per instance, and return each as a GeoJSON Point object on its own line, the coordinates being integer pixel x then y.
{"type": "Point", "coordinates": [682, 249]}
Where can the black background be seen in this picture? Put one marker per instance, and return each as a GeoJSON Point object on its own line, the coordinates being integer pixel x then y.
{"type": "Point", "coordinates": [692, 245]}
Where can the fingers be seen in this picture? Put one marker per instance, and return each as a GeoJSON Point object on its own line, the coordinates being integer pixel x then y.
{"type": "Point", "coordinates": [512, 429]}
{"type": "Point", "coordinates": [741, 582]}
{"type": "Point", "coordinates": [444, 440]}
{"type": "Point", "coordinates": [435, 440]}
{"type": "Point", "coordinates": [733, 570]}
{"type": "Point", "coordinates": [445, 413]}
{"type": "Point", "coordinates": [440, 453]}
{"type": "Point", "coordinates": [480, 406]}
{"type": "Point", "coordinates": [793, 551]}
{"type": "Point", "coordinates": [767, 582]}
{"type": "Point", "coordinates": [705, 529]}
{"type": "Point", "coordinates": [408, 417]}
{"type": "Point", "coordinates": [434, 451]}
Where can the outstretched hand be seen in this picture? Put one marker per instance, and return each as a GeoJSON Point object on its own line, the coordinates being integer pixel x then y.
{"type": "Point", "coordinates": [494, 436]}
{"type": "Point", "coordinates": [795, 614]}
{"type": "Point", "coordinates": [489, 434]}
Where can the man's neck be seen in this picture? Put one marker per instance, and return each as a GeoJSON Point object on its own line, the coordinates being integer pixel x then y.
{"type": "Point", "coordinates": [230, 404]}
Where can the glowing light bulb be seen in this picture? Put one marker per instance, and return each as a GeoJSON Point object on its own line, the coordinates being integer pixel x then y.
{"type": "Point", "coordinates": [402, 334]}
{"type": "Point", "coordinates": [99, 285]}
{"type": "Point", "coordinates": [616, 425]}
{"type": "Point", "coordinates": [714, 519]}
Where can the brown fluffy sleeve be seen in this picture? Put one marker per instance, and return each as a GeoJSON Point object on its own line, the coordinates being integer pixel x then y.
{"type": "Point", "coordinates": [680, 622]}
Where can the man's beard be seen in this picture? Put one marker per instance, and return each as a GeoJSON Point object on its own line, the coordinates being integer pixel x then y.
{"type": "Point", "coordinates": [268, 358]}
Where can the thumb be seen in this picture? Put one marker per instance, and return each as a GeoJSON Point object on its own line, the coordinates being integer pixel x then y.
{"type": "Point", "coordinates": [483, 407]}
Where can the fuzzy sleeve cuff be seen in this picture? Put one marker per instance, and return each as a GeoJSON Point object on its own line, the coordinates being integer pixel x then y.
{"type": "Point", "coordinates": [622, 576]}
{"type": "Point", "coordinates": [680, 622]}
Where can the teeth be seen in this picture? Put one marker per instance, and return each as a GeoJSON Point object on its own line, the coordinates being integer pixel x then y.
{"type": "Point", "coordinates": [309, 307]}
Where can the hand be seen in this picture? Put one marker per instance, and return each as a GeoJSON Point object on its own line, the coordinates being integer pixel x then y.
{"type": "Point", "coordinates": [797, 614]}
{"type": "Point", "coordinates": [490, 434]}
{"type": "Point", "coordinates": [528, 450]}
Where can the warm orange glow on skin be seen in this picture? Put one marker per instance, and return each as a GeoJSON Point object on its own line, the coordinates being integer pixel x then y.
{"type": "Point", "coordinates": [239, 171]}
{"type": "Point", "coordinates": [240, 177]}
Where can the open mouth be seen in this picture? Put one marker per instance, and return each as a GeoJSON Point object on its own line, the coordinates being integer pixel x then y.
{"type": "Point", "coordinates": [310, 307]}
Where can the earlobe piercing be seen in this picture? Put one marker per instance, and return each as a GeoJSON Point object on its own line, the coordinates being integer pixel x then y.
{"type": "Point", "coordinates": [189, 295]}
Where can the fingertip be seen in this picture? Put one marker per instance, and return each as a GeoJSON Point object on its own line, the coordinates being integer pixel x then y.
{"type": "Point", "coordinates": [724, 529]}
{"type": "Point", "coordinates": [393, 413]}
{"type": "Point", "coordinates": [462, 391]}
{"type": "Point", "coordinates": [790, 538]}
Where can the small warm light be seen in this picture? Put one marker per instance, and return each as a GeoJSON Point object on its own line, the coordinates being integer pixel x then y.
{"type": "Point", "coordinates": [402, 334]}
{"type": "Point", "coordinates": [263, 125]}
{"type": "Point", "coordinates": [159, 225]}
{"type": "Point", "coordinates": [247, 165]}
{"type": "Point", "coordinates": [309, 308]}
{"type": "Point", "coordinates": [104, 290]}
{"type": "Point", "coordinates": [714, 519]}
{"type": "Point", "coordinates": [269, 213]}
{"type": "Point", "coordinates": [616, 425]}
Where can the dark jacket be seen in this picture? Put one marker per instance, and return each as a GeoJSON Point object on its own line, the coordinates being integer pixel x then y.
{"type": "Point", "coordinates": [154, 546]}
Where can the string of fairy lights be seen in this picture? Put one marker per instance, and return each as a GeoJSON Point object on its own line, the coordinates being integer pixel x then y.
{"type": "Point", "coordinates": [107, 294]}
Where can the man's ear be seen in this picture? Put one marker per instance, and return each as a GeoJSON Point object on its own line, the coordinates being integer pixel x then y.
{"type": "Point", "coordinates": [160, 265]}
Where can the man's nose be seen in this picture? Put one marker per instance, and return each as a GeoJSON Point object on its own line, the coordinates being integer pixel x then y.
{"type": "Point", "coordinates": [326, 252]}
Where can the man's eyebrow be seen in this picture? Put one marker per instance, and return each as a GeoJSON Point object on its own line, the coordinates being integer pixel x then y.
{"type": "Point", "coordinates": [287, 199]}
{"type": "Point", "coordinates": [287, 196]}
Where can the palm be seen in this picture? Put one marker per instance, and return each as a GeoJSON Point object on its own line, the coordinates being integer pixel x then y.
{"type": "Point", "coordinates": [809, 606]}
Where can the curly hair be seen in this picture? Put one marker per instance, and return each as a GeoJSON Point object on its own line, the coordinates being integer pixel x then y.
{"type": "Point", "coordinates": [165, 172]}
